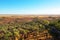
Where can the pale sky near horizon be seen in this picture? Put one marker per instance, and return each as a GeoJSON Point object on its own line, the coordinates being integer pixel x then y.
{"type": "Point", "coordinates": [38, 7]}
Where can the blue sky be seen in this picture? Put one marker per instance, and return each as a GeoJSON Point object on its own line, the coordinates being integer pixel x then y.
{"type": "Point", "coordinates": [30, 7]}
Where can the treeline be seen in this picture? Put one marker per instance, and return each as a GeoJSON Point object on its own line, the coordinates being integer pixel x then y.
{"type": "Point", "coordinates": [31, 30]}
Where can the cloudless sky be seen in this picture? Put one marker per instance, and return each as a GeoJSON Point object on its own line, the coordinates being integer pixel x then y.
{"type": "Point", "coordinates": [37, 7]}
